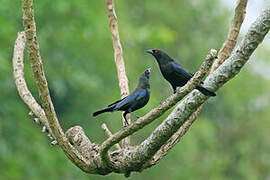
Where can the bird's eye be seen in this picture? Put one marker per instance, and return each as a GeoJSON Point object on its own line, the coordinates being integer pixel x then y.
{"type": "Point", "coordinates": [155, 51]}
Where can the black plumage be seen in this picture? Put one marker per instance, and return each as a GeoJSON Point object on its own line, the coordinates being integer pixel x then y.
{"type": "Point", "coordinates": [136, 100]}
{"type": "Point", "coordinates": [174, 73]}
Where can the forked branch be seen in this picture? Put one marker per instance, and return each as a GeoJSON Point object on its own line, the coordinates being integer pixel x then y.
{"type": "Point", "coordinates": [96, 159]}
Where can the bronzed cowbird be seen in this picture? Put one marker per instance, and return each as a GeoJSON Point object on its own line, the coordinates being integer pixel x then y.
{"type": "Point", "coordinates": [174, 73]}
{"type": "Point", "coordinates": [136, 100]}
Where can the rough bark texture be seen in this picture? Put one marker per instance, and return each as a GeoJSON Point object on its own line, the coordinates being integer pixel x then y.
{"type": "Point", "coordinates": [95, 159]}
{"type": "Point", "coordinates": [18, 73]}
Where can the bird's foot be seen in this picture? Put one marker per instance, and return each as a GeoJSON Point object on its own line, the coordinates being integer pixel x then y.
{"type": "Point", "coordinates": [126, 124]}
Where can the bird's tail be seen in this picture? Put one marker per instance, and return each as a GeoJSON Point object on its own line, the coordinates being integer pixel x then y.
{"type": "Point", "coordinates": [107, 109]}
{"type": "Point", "coordinates": [206, 92]}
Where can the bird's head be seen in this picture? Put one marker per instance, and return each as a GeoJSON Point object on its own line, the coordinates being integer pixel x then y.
{"type": "Point", "coordinates": [144, 79]}
{"type": "Point", "coordinates": [146, 73]}
{"type": "Point", "coordinates": [159, 55]}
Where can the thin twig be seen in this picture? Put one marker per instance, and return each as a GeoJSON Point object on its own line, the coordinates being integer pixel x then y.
{"type": "Point", "coordinates": [230, 42]}
{"type": "Point", "coordinates": [109, 134]}
{"type": "Point", "coordinates": [119, 61]}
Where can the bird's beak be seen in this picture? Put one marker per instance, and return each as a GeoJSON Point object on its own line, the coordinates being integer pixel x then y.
{"type": "Point", "coordinates": [150, 51]}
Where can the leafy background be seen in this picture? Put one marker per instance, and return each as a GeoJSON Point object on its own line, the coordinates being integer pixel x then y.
{"type": "Point", "coordinates": [230, 139]}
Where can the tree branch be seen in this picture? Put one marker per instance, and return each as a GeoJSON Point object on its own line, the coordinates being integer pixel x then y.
{"type": "Point", "coordinates": [37, 67]}
{"type": "Point", "coordinates": [109, 134]}
{"type": "Point", "coordinates": [119, 61]}
{"type": "Point", "coordinates": [18, 73]}
{"type": "Point", "coordinates": [164, 150]}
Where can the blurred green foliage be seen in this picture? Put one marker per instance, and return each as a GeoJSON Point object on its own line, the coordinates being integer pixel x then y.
{"type": "Point", "coordinates": [230, 139]}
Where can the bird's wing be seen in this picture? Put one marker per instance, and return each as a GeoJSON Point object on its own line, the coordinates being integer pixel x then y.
{"type": "Point", "coordinates": [181, 72]}
{"type": "Point", "coordinates": [132, 98]}
{"type": "Point", "coordinates": [140, 94]}
{"type": "Point", "coordinates": [117, 101]}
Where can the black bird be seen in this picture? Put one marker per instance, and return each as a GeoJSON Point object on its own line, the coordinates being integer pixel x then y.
{"type": "Point", "coordinates": [174, 73]}
{"type": "Point", "coordinates": [138, 99]}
